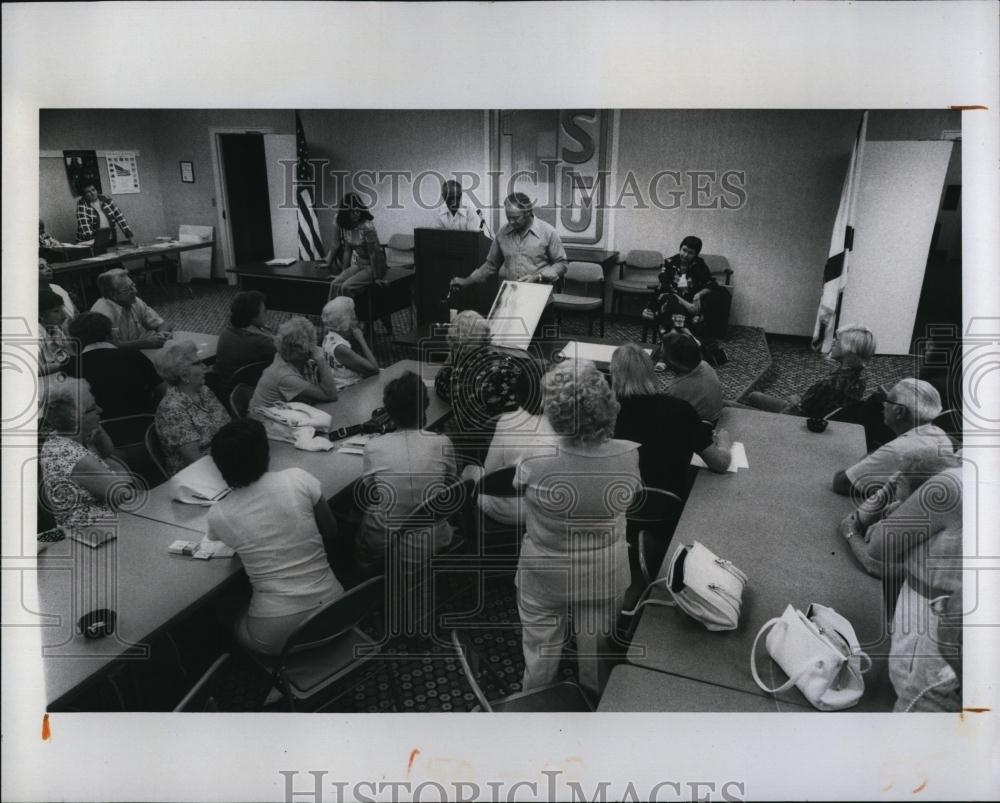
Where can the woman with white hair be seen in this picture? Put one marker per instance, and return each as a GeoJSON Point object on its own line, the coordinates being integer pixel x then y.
{"type": "Point", "coordinates": [574, 561]}
{"type": "Point", "coordinates": [79, 483]}
{"type": "Point", "coordinates": [299, 371]}
{"type": "Point", "coordinates": [189, 414]}
{"type": "Point", "coordinates": [342, 335]}
{"type": "Point", "coordinates": [852, 348]}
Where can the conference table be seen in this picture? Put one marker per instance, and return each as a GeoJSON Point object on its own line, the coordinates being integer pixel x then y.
{"type": "Point", "coordinates": [74, 579]}
{"type": "Point", "coordinates": [335, 470]}
{"type": "Point", "coordinates": [777, 521]}
{"type": "Point", "coordinates": [82, 269]}
{"type": "Point", "coordinates": [133, 575]}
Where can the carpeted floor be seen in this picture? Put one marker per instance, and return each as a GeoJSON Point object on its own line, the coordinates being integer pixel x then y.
{"type": "Point", "coordinates": [422, 674]}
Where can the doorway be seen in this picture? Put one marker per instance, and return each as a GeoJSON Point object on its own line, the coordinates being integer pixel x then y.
{"type": "Point", "coordinates": [248, 205]}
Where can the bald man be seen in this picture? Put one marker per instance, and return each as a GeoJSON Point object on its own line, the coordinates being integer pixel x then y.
{"type": "Point", "coordinates": [455, 214]}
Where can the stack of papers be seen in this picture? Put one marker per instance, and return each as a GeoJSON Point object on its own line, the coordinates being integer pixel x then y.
{"type": "Point", "coordinates": [201, 550]}
{"type": "Point", "coordinates": [199, 484]}
{"type": "Point", "coordinates": [355, 444]}
{"type": "Point", "coordinates": [283, 262]}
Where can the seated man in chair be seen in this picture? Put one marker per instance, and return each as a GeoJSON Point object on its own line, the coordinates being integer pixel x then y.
{"type": "Point", "coordinates": [134, 324]}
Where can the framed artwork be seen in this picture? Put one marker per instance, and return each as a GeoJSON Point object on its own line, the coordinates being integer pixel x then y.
{"type": "Point", "coordinates": [187, 172]}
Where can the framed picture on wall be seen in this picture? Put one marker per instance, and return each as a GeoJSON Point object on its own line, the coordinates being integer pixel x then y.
{"type": "Point", "coordinates": [187, 172]}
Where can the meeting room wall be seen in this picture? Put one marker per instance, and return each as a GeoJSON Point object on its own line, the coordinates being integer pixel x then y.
{"type": "Point", "coordinates": [415, 141]}
{"type": "Point", "coordinates": [793, 165]}
{"type": "Point", "coordinates": [99, 130]}
{"type": "Point", "coordinates": [184, 135]}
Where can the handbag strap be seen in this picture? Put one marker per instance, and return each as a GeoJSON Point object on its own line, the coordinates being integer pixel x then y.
{"type": "Point", "coordinates": [644, 599]}
{"type": "Point", "coordinates": [753, 662]}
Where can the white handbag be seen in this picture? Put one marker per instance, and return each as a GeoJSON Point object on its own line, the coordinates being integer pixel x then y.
{"type": "Point", "coordinates": [706, 587]}
{"type": "Point", "coordinates": [296, 423]}
{"type": "Point", "coordinates": [819, 652]}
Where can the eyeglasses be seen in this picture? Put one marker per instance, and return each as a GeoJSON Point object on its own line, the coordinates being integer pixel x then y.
{"type": "Point", "coordinates": [894, 404]}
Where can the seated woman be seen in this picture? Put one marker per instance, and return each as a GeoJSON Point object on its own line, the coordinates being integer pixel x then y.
{"type": "Point", "coordinates": [687, 287]}
{"type": "Point", "coordinates": [570, 572]}
{"type": "Point", "coordinates": [53, 346]}
{"type": "Point", "coordinates": [478, 382]}
{"type": "Point", "coordinates": [852, 348]}
{"type": "Point", "coordinates": [45, 276]}
{"type": "Point", "coordinates": [80, 481]}
{"type": "Point", "coordinates": [520, 433]}
{"type": "Point", "coordinates": [124, 381]}
{"type": "Point", "coordinates": [246, 340]}
{"type": "Point", "coordinates": [400, 468]}
{"type": "Point", "coordinates": [277, 521]}
{"type": "Point", "coordinates": [361, 259]}
{"type": "Point", "coordinates": [927, 560]}
{"type": "Point", "coordinates": [189, 414]}
{"type": "Point", "coordinates": [696, 382]}
{"type": "Point", "coordinates": [668, 430]}
{"type": "Point", "coordinates": [299, 371]}
{"type": "Point", "coordinates": [344, 345]}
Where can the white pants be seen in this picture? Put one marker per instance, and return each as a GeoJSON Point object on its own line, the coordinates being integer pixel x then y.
{"type": "Point", "coordinates": [544, 628]}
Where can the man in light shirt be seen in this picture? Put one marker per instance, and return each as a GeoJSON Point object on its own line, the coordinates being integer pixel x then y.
{"type": "Point", "coordinates": [95, 211]}
{"type": "Point", "coordinates": [525, 250]}
{"type": "Point", "coordinates": [456, 214]}
{"type": "Point", "coordinates": [134, 323]}
{"type": "Point", "coordinates": [909, 410]}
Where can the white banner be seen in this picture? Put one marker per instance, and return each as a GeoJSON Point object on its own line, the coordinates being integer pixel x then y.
{"type": "Point", "coordinates": [123, 172]}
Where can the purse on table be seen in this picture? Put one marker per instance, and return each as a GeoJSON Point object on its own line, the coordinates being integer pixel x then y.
{"type": "Point", "coordinates": [703, 585]}
{"type": "Point", "coordinates": [819, 652]}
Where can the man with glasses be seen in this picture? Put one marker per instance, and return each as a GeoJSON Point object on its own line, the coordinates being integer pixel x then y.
{"type": "Point", "coordinates": [908, 410]}
{"type": "Point", "coordinates": [134, 324]}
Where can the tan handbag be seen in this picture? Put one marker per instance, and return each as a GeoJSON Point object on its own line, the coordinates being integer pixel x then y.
{"type": "Point", "coordinates": [706, 587]}
{"type": "Point", "coordinates": [819, 652]}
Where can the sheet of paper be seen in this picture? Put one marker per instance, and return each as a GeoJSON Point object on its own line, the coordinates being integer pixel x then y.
{"type": "Point", "coordinates": [737, 458]}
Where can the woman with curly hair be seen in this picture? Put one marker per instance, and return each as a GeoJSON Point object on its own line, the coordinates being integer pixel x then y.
{"type": "Point", "coordinates": [189, 413]}
{"type": "Point", "coordinates": [574, 561]}
{"type": "Point", "coordinates": [299, 371]}
{"type": "Point", "coordinates": [79, 475]}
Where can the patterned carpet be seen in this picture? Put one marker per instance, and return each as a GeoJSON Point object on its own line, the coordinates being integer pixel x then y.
{"type": "Point", "coordinates": [423, 675]}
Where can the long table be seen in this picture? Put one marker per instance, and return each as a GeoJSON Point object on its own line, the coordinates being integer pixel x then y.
{"type": "Point", "coordinates": [82, 269]}
{"type": "Point", "coordinates": [777, 522]}
{"type": "Point", "coordinates": [334, 470]}
{"type": "Point", "coordinates": [134, 575]}
{"type": "Point", "coordinates": [301, 287]}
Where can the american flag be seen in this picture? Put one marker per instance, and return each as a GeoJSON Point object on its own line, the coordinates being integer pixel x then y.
{"type": "Point", "coordinates": [835, 272]}
{"type": "Point", "coordinates": [310, 243]}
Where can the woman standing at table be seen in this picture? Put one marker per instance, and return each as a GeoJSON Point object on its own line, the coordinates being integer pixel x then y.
{"type": "Point", "coordinates": [574, 561]}
{"type": "Point", "coordinates": [299, 371]}
{"type": "Point", "coordinates": [344, 345]}
{"type": "Point", "coordinates": [189, 414]}
{"type": "Point", "coordinates": [361, 259]}
{"type": "Point", "coordinates": [80, 483]}
{"type": "Point", "coordinates": [279, 524]}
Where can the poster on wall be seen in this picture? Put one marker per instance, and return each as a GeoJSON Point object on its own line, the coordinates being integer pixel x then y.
{"type": "Point", "coordinates": [82, 165]}
{"type": "Point", "coordinates": [123, 170]}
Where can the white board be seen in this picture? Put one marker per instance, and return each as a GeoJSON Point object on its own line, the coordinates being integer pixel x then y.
{"type": "Point", "coordinates": [898, 201]}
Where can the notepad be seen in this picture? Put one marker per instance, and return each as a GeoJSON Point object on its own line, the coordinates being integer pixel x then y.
{"type": "Point", "coordinates": [282, 262]}
{"type": "Point", "coordinates": [737, 458]}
